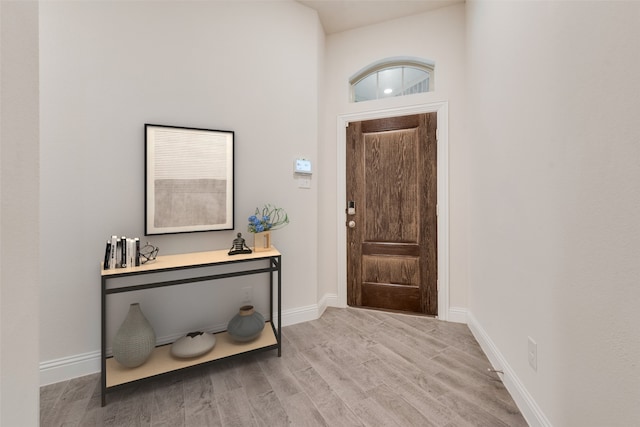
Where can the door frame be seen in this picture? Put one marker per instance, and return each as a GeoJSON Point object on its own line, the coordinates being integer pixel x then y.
{"type": "Point", "coordinates": [442, 109]}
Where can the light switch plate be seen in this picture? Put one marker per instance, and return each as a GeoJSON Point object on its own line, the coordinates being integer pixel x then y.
{"type": "Point", "coordinates": [304, 182]}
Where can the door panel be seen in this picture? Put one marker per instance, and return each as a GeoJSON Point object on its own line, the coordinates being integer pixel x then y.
{"type": "Point", "coordinates": [394, 279]}
{"type": "Point", "coordinates": [392, 246]}
{"type": "Point", "coordinates": [389, 158]}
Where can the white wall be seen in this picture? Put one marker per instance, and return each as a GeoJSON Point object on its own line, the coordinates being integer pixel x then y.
{"type": "Point", "coordinates": [554, 211]}
{"type": "Point", "coordinates": [19, 231]}
{"type": "Point", "coordinates": [109, 67]}
{"type": "Point", "coordinates": [437, 36]}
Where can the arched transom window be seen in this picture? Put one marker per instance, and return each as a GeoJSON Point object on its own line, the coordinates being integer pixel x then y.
{"type": "Point", "coordinates": [392, 77]}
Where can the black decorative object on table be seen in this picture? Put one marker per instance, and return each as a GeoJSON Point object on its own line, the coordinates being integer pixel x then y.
{"type": "Point", "coordinates": [239, 246]}
{"type": "Point", "coordinates": [148, 253]}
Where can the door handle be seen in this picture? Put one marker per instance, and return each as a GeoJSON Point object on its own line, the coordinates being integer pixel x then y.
{"type": "Point", "coordinates": [351, 224]}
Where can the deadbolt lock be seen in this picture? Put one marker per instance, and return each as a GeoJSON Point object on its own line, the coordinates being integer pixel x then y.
{"type": "Point", "coordinates": [351, 208]}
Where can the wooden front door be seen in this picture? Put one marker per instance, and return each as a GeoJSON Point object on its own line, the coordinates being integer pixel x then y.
{"type": "Point", "coordinates": [391, 214]}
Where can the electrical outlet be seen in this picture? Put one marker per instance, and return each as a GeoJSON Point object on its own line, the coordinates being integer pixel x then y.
{"type": "Point", "coordinates": [533, 354]}
{"type": "Point", "coordinates": [246, 294]}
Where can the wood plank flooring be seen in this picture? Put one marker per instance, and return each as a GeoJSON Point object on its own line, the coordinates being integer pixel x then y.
{"type": "Point", "coordinates": [351, 367]}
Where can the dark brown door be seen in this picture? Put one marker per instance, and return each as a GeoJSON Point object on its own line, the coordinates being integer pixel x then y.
{"type": "Point", "coordinates": [391, 226]}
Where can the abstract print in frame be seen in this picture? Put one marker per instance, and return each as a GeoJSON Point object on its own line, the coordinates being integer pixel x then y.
{"type": "Point", "coordinates": [189, 179]}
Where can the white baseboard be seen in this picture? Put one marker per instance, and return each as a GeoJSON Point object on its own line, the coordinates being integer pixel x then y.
{"type": "Point", "coordinates": [328, 300]}
{"type": "Point", "coordinates": [66, 368]}
{"type": "Point", "coordinates": [457, 315]}
{"type": "Point", "coordinates": [300, 314]}
{"type": "Point", "coordinates": [527, 405]}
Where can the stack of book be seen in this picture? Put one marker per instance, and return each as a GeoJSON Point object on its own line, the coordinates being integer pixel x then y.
{"type": "Point", "coordinates": [121, 252]}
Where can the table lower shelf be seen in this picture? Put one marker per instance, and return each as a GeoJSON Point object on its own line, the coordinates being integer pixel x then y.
{"type": "Point", "coordinates": [161, 361]}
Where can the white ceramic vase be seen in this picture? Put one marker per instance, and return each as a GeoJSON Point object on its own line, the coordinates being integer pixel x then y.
{"type": "Point", "coordinates": [194, 344]}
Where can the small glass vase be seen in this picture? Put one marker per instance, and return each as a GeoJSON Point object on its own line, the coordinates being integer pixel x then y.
{"type": "Point", "coordinates": [262, 241]}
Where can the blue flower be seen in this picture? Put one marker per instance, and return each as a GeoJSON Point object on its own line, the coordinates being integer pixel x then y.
{"type": "Point", "coordinates": [262, 219]}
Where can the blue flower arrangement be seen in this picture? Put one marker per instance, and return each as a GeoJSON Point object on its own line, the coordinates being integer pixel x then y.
{"type": "Point", "coordinates": [268, 218]}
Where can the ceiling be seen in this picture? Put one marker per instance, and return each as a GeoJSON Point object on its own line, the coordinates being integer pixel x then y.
{"type": "Point", "coordinates": [342, 15]}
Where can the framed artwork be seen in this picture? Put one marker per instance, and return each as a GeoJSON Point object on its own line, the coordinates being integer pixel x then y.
{"type": "Point", "coordinates": [189, 179]}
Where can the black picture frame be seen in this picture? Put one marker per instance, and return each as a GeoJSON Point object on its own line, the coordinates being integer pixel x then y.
{"type": "Point", "coordinates": [189, 179]}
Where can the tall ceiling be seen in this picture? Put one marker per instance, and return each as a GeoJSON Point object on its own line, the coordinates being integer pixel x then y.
{"type": "Point", "coordinates": [342, 15]}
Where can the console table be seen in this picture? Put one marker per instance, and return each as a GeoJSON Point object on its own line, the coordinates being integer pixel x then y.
{"type": "Point", "coordinates": [161, 362]}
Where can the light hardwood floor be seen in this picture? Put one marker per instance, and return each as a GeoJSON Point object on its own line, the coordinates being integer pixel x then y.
{"type": "Point", "coordinates": [351, 367]}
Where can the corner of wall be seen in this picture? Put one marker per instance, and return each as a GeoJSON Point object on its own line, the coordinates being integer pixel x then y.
{"type": "Point", "coordinates": [527, 405]}
{"type": "Point", "coordinates": [457, 315]}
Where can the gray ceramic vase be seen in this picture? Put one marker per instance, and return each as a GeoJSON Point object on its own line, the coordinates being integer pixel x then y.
{"type": "Point", "coordinates": [246, 325]}
{"type": "Point", "coordinates": [135, 340]}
